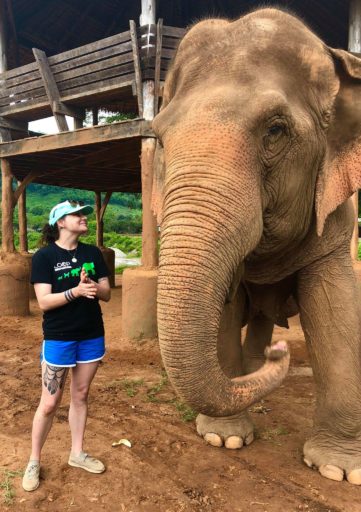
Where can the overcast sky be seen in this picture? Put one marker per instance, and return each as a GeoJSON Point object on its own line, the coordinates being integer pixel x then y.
{"type": "Point", "coordinates": [48, 125]}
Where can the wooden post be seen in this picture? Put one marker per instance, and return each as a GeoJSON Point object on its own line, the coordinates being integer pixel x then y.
{"type": "Point", "coordinates": [147, 16]}
{"type": "Point", "coordinates": [3, 38]}
{"type": "Point", "coordinates": [95, 113]}
{"type": "Point", "coordinates": [100, 222]}
{"type": "Point", "coordinates": [7, 200]}
{"type": "Point", "coordinates": [354, 45]}
{"type": "Point", "coordinates": [7, 205]}
{"type": "Point", "coordinates": [149, 231]}
{"type": "Point", "coordinates": [23, 228]}
{"type": "Point", "coordinates": [99, 213]}
{"type": "Point", "coordinates": [78, 123]}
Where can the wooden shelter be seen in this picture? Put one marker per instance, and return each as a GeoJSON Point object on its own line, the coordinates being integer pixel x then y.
{"type": "Point", "coordinates": [62, 58]}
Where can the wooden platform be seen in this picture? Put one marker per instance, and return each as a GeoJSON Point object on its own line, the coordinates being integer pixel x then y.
{"type": "Point", "coordinates": [106, 73]}
{"type": "Point", "coordinates": [99, 158]}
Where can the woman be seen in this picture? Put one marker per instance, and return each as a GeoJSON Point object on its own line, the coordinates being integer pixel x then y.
{"type": "Point", "coordinates": [69, 278]}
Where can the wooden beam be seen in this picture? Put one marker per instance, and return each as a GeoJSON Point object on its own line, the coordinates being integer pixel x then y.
{"type": "Point", "coordinates": [158, 60]}
{"type": "Point", "coordinates": [20, 126]}
{"type": "Point", "coordinates": [60, 108]}
{"type": "Point", "coordinates": [23, 184]}
{"type": "Point", "coordinates": [51, 87]}
{"type": "Point", "coordinates": [108, 195]}
{"type": "Point", "coordinates": [137, 68]}
{"type": "Point", "coordinates": [354, 45]}
{"type": "Point", "coordinates": [102, 133]}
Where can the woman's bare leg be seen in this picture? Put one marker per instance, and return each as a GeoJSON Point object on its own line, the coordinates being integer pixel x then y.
{"type": "Point", "coordinates": [82, 376]}
{"type": "Point", "coordinates": [53, 381]}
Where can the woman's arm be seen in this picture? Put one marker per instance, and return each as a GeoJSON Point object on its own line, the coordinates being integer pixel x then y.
{"type": "Point", "coordinates": [48, 300]}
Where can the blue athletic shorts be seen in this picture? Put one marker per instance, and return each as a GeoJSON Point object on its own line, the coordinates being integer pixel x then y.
{"type": "Point", "coordinates": [70, 353]}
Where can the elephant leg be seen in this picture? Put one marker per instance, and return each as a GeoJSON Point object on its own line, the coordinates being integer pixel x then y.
{"type": "Point", "coordinates": [330, 316]}
{"type": "Point", "coordinates": [259, 335]}
{"type": "Point", "coordinates": [232, 431]}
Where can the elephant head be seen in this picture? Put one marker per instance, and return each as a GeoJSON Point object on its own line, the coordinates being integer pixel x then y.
{"type": "Point", "coordinates": [257, 143]}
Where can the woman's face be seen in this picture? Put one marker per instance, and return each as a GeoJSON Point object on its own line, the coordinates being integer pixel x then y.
{"type": "Point", "coordinates": [74, 223]}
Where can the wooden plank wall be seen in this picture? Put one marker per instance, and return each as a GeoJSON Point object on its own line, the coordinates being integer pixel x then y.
{"type": "Point", "coordinates": [95, 68]}
{"type": "Point", "coordinates": [91, 72]}
{"type": "Point", "coordinates": [171, 37]}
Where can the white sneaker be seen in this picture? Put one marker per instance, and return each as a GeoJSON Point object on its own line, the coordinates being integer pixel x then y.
{"type": "Point", "coordinates": [31, 476]}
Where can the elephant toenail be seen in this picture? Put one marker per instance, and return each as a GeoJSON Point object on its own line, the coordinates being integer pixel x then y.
{"type": "Point", "coordinates": [331, 472]}
{"type": "Point", "coordinates": [213, 439]}
{"type": "Point", "coordinates": [233, 442]}
{"type": "Point", "coordinates": [354, 477]}
{"type": "Point", "coordinates": [249, 439]}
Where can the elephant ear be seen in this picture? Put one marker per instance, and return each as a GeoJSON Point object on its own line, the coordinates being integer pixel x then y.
{"type": "Point", "coordinates": [340, 176]}
{"type": "Point", "coordinates": [158, 182]}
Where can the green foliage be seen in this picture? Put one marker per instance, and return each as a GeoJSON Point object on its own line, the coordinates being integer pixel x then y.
{"type": "Point", "coordinates": [131, 386]}
{"type": "Point", "coordinates": [120, 270]}
{"type": "Point", "coordinates": [123, 215]}
{"type": "Point", "coordinates": [114, 118]}
{"type": "Point", "coordinates": [186, 412]}
{"type": "Point", "coordinates": [157, 388]}
{"type": "Point", "coordinates": [6, 485]}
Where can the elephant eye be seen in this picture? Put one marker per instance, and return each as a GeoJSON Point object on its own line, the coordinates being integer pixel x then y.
{"type": "Point", "coordinates": [275, 137]}
{"type": "Point", "coordinates": [275, 130]}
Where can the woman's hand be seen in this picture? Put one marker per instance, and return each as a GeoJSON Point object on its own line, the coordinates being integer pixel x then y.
{"type": "Point", "coordinates": [84, 276]}
{"type": "Point", "coordinates": [86, 287]}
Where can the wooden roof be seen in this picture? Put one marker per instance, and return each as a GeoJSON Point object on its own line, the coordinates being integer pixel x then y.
{"type": "Point", "coordinates": [59, 25]}
{"type": "Point", "coordinates": [99, 158]}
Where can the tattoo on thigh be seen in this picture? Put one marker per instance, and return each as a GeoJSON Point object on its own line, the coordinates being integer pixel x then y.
{"type": "Point", "coordinates": [54, 377]}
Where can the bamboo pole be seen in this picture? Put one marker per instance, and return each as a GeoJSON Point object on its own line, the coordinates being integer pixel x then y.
{"type": "Point", "coordinates": [23, 228]}
{"type": "Point", "coordinates": [354, 45]}
{"type": "Point", "coordinates": [149, 229]}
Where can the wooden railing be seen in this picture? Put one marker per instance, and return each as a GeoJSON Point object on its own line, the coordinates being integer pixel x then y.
{"type": "Point", "coordinates": [92, 75]}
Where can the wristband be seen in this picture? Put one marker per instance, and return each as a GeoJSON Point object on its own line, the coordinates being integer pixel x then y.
{"type": "Point", "coordinates": [69, 295]}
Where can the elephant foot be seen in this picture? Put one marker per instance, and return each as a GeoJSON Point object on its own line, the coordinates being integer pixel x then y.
{"type": "Point", "coordinates": [231, 431]}
{"type": "Point", "coordinates": [335, 458]}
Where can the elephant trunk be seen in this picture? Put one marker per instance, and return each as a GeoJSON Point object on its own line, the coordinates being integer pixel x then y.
{"type": "Point", "coordinates": [209, 226]}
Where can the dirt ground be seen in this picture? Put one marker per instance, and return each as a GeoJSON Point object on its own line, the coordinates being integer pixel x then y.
{"type": "Point", "coordinates": [168, 468]}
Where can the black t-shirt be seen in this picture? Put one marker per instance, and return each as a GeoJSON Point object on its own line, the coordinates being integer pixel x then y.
{"type": "Point", "coordinates": [80, 319]}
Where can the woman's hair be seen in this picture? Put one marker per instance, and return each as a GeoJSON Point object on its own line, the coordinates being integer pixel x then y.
{"type": "Point", "coordinates": [49, 234]}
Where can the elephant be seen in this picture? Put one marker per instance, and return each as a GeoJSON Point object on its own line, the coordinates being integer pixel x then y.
{"type": "Point", "coordinates": [258, 153]}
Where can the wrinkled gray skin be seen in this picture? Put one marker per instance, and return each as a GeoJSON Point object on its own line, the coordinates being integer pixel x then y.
{"type": "Point", "coordinates": [258, 152]}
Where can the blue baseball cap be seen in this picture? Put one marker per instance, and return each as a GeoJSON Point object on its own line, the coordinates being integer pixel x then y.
{"type": "Point", "coordinates": [67, 208]}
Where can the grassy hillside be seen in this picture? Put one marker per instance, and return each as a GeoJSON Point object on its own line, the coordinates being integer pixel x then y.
{"type": "Point", "coordinates": [123, 217]}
